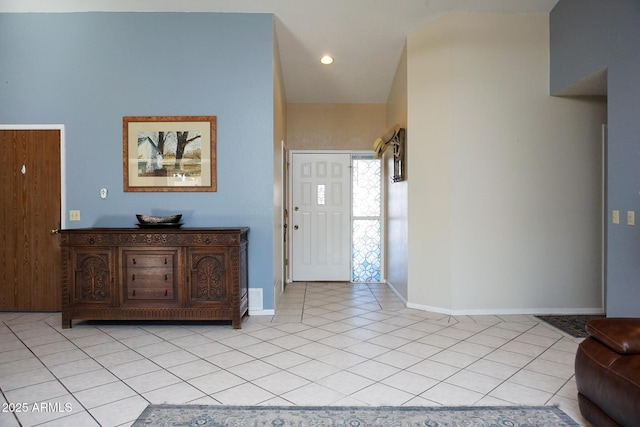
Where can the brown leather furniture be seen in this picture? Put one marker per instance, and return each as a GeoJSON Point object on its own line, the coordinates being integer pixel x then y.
{"type": "Point", "coordinates": [608, 373]}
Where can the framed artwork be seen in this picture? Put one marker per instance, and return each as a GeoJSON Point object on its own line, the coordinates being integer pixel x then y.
{"type": "Point", "coordinates": [169, 153]}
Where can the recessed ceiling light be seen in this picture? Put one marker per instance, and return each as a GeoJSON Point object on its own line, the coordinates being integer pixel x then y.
{"type": "Point", "coordinates": [326, 60]}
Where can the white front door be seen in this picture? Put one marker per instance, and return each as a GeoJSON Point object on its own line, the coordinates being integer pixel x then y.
{"type": "Point", "coordinates": [321, 217]}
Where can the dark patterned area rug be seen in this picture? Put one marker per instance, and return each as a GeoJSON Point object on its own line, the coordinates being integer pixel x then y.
{"type": "Point", "coordinates": [350, 416]}
{"type": "Point", "coordinates": [574, 325]}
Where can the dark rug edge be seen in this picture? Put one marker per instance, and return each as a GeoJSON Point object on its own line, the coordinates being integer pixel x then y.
{"type": "Point", "coordinates": [558, 321]}
{"type": "Point", "coordinates": [564, 417]}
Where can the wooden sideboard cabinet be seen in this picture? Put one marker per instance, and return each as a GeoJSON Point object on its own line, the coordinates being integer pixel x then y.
{"type": "Point", "coordinates": [155, 274]}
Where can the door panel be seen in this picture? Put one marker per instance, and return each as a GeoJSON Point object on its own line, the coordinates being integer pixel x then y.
{"type": "Point", "coordinates": [30, 209]}
{"type": "Point", "coordinates": [321, 215]}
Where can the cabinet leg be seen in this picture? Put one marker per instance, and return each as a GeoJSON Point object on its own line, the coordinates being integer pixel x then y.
{"type": "Point", "coordinates": [236, 323]}
{"type": "Point", "coordinates": [66, 322]}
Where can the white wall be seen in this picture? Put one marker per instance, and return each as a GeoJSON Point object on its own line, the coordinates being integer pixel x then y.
{"type": "Point", "coordinates": [279, 145]}
{"type": "Point", "coordinates": [429, 136]}
{"type": "Point", "coordinates": [504, 195]}
{"type": "Point", "coordinates": [334, 126]}
{"type": "Point", "coordinates": [396, 193]}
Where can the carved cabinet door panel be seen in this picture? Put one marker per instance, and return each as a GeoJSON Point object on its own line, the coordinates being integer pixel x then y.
{"type": "Point", "coordinates": [208, 276]}
{"type": "Point", "coordinates": [93, 276]}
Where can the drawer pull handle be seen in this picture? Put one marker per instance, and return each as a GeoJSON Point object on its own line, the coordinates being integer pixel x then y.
{"type": "Point", "coordinates": [166, 292]}
{"type": "Point", "coordinates": [134, 292]}
{"type": "Point", "coordinates": [165, 261]}
{"type": "Point", "coordinates": [134, 260]}
{"type": "Point", "coordinates": [166, 277]}
{"type": "Point", "coordinates": [133, 277]}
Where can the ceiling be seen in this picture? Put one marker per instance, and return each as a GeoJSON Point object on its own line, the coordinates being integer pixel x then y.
{"type": "Point", "coordinates": [366, 37]}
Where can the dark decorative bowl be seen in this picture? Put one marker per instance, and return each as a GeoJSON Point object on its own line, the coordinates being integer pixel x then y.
{"type": "Point", "coordinates": [152, 220]}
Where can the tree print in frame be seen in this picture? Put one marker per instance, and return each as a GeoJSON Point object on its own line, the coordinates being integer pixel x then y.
{"type": "Point", "coordinates": [169, 153]}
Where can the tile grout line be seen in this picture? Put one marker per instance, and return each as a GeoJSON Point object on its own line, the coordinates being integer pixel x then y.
{"type": "Point", "coordinates": [483, 357]}
{"type": "Point", "coordinates": [4, 396]}
{"type": "Point", "coordinates": [380, 323]}
{"type": "Point", "coordinates": [200, 358]}
{"type": "Point", "coordinates": [48, 369]}
{"type": "Point", "coordinates": [82, 349]}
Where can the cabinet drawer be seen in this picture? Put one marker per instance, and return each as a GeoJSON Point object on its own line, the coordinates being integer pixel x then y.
{"type": "Point", "coordinates": [146, 259]}
{"type": "Point", "coordinates": [149, 283]}
{"type": "Point", "coordinates": [155, 293]}
{"type": "Point", "coordinates": [149, 277]}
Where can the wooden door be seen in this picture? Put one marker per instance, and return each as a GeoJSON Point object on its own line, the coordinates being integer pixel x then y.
{"type": "Point", "coordinates": [29, 253]}
{"type": "Point", "coordinates": [321, 217]}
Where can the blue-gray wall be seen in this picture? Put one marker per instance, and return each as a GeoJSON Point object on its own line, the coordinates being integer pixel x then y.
{"type": "Point", "coordinates": [588, 36]}
{"type": "Point", "coordinates": [88, 70]}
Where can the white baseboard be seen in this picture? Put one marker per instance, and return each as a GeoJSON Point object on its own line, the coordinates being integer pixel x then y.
{"type": "Point", "coordinates": [505, 311]}
{"type": "Point", "coordinates": [496, 311]}
{"type": "Point", "coordinates": [395, 291]}
{"type": "Point", "coordinates": [271, 312]}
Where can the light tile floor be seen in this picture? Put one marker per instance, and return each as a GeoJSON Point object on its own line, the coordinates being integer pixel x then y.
{"type": "Point", "coordinates": [329, 344]}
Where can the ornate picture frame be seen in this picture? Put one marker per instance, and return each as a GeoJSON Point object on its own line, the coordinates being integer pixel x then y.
{"type": "Point", "coordinates": [169, 153]}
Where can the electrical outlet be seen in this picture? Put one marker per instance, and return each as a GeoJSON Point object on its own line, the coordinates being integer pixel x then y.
{"type": "Point", "coordinates": [615, 217]}
{"type": "Point", "coordinates": [631, 218]}
{"type": "Point", "coordinates": [74, 215]}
